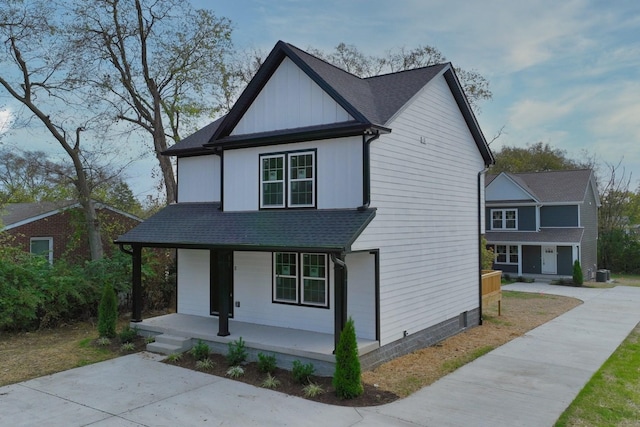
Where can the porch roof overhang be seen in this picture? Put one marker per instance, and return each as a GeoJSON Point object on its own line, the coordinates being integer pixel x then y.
{"type": "Point", "coordinates": [205, 226]}
{"type": "Point", "coordinates": [548, 236]}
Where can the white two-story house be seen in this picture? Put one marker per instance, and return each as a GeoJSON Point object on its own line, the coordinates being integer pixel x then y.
{"type": "Point", "coordinates": [322, 196]}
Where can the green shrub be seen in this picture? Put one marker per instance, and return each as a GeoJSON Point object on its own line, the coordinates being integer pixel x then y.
{"type": "Point", "coordinates": [127, 334]}
{"type": "Point", "coordinates": [270, 382]}
{"type": "Point", "coordinates": [235, 372]}
{"type": "Point", "coordinates": [347, 379]}
{"type": "Point", "coordinates": [236, 354]}
{"type": "Point", "coordinates": [312, 390]}
{"type": "Point", "coordinates": [200, 351]}
{"type": "Point", "coordinates": [266, 363]}
{"type": "Point", "coordinates": [205, 364]}
{"type": "Point", "coordinates": [487, 255]}
{"type": "Point", "coordinates": [577, 274]}
{"type": "Point", "coordinates": [302, 372]}
{"type": "Point", "coordinates": [127, 346]}
{"type": "Point", "coordinates": [108, 312]}
{"type": "Point", "coordinates": [21, 283]}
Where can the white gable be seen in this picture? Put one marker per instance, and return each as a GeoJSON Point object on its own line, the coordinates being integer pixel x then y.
{"type": "Point", "coordinates": [290, 99]}
{"type": "Point", "coordinates": [503, 188]}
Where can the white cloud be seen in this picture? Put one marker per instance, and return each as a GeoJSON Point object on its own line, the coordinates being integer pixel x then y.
{"type": "Point", "coordinates": [5, 120]}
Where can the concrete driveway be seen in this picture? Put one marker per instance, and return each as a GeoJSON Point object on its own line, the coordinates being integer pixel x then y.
{"type": "Point", "coordinates": [527, 382]}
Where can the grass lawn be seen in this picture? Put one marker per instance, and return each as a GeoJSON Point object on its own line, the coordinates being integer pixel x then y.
{"type": "Point", "coordinates": [612, 396]}
{"type": "Point", "coordinates": [626, 279]}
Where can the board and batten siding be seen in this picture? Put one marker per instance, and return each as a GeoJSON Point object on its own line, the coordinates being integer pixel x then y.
{"type": "Point", "coordinates": [338, 173]}
{"type": "Point", "coordinates": [426, 225]}
{"type": "Point", "coordinates": [289, 100]}
{"type": "Point", "coordinates": [199, 179]}
{"type": "Point", "coordinates": [193, 282]}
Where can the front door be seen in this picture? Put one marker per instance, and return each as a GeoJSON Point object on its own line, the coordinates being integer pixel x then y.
{"type": "Point", "coordinates": [222, 272]}
{"type": "Point", "coordinates": [549, 260]}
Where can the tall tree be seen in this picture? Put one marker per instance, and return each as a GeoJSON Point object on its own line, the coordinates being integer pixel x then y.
{"type": "Point", "coordinates": [34, 73]}
{"type": "Point", "coordinates": [159, 63]}
{"type": "Point", "coordinates": [351, 59]}
{"type": "Point", "coordinates": [537, 157]}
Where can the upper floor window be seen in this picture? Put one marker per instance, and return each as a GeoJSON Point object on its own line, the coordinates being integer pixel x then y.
{"type": "Point", "coordinates": [504, 219]}
{"type": "Point", "coordinates": [287, 180]}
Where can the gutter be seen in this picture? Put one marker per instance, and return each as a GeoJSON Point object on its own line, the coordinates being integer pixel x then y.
{"type": "Point", "coordinates": [366, 169]}
{"type": "Point", "coordinates": [482, 172]}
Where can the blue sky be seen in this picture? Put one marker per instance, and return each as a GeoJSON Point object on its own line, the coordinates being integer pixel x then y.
{"type": "Point", "coordinates": [565, 73]}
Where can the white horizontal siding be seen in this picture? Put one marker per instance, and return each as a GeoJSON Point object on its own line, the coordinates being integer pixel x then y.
{"type": "Point", "coordinates": [193, 282]}
{"type": "Point", "coordinates": [199, 179]}
{"type": "Point", "coordinates": [252, 289]}
{"type": "Point", "coordinates": [290, 99]}
{"type": "Point", "coordinates": [338, 173]}
{"type": "Point", "coordinates": [361, 293]}
{"type": "Point", "coordinates": [426, 224]}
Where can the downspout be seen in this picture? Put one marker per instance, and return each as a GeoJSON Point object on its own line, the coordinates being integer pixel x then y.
{"type": "Point", "coordinates": [366, 170]}
{"type": "Point", "coordinates": [480, 205]}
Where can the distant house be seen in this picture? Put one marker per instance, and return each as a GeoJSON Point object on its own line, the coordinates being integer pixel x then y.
{"type": "Point", "coordinates": [56, 229]}
{"type": "Point", "coordinates": [540, 223]}
{"type": "Point", "coordinates": [322, 196]}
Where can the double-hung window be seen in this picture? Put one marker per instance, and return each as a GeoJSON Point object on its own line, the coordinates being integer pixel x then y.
{"type": "Point", "coordinates": [504, 219]}
{"type": "Point", "coordinates": [506, 254]}
{"type": "Point", "coordinates": [42, 246]}
{"type": "Point", "coordinates": [301, 279]}
{"type": "Point", "coordinates": [288, 180]}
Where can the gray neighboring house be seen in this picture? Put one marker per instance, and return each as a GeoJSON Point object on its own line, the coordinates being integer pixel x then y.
{"type": "Point", "coordinates": [541, 222]}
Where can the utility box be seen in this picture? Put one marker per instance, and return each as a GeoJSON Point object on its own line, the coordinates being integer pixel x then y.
{"type": "Point", "coordinates": [603, 276]}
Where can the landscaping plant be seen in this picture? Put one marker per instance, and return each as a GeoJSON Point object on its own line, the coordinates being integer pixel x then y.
{"type": "Point", "coordinates": [108, 312]}
{"type": "Point", "coordinates": [347, 378]}
{"type": "Point", "coordinates": [200, 351]}
{"type": "Point", "coordinates": [237, 354]}
{"type": "Point", "coordinates": [266, 363]}
{"type": "Point", "coordinates": [577, 274]}
{"type": "Point", "coordinates": [302, 371]}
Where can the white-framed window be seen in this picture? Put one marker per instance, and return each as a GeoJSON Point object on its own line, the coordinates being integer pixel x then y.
{"type": "Point", "coordinates": [301, 278]}
{"type": "Point", "coordinates": [42, 246]}
{"type": "Point", "coordinates": [288, 180]}
{"type": "Point", "coordinates": [506, 254]}
{"type": "Point", "coordinates": [504, 219]}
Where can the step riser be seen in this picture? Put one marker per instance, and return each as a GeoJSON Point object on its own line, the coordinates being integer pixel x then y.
{"type": "Point", "coordinates": [168, 344]}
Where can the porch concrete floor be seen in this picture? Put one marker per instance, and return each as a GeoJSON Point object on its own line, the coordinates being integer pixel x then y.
{"type": "Point", "coordinates": [294, 342]}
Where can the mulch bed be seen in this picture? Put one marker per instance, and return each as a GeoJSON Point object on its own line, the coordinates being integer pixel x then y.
{"type": "Point", "coordinates": [372, 395]}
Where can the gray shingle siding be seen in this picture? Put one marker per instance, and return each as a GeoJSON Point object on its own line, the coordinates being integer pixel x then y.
{"type": "Point", "coordinates": [559, 216]}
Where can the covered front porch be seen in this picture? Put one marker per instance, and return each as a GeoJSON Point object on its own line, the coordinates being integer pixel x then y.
{"type": "Point", "coordinates": [287, 344]}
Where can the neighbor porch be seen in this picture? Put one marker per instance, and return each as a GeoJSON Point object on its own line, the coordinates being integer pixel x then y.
{"type": "Point", "coordinates": [287, 344]}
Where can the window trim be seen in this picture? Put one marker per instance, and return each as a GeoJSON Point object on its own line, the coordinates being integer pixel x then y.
{"type": "Point", "coordinates": [287, 179]}
{"type": "Point", "coordinates": [49, 256]}
{"type": "Point", "coordinates": [503, 219]}
{"type": "Point", "coordinates": [299, 276]}
{"type": "Point", "coordinates": [508, 254]}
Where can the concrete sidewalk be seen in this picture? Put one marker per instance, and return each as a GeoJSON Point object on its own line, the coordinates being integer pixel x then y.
{"type": "Point", "coordinates": [527, 382]}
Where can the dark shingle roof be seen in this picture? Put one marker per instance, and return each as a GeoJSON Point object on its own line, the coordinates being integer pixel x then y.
{"type": "Point", "coordinates": [553, 186]}
{"type": "Point", "coordinates": [13, 213]}
{"type": "Point", "coordinates": [372, 101]}
{"type": "Point", "coordinates": [204, 225]}
{"type": "Point", "coordinates": [545, 235]}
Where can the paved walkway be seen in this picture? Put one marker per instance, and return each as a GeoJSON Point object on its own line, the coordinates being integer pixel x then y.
{"type": "Point", "coordinates": [527, 382]}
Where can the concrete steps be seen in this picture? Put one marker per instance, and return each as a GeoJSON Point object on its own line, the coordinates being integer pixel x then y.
{"type": "Point", "coordinates": [169, 344]}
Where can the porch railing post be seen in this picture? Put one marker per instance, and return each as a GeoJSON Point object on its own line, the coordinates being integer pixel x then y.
{"type": "Point", "coordinates": [136, 279]}
{"type": "Point", "coordinates": [340, 296]}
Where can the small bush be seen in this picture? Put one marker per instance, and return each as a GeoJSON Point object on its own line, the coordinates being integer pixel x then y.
{"type": "Point", "coordinates": [204, 364]}
{"type": "Point", "coordinates": [235, 372]}
{"type": "Point", "coordinates": [174, 357]}
{"type": "Point", "coordinates": [108, 312]}
{"type": "Point", "coordinates": [200, 351]}
{"type": "Point", "coordinates": [127, 334]}
{"type": "Point", "coordinates": [103, 341]}
{"type": "Point", "coordinates": [577, 274]}
{"type": "Point", "coordinates": [237, 354]}
{"type": "Point", "coordinates": [266, 363]}
{"type": "Point", "coordinates": [149, 339]}
{"type": "Point", "coordinates": [312, 390]}
{"type": "Point", "coordinates": [347, 377]}
{"type": "Point", "coordinates": [128, 346]}
{"type": "Point", "coordinates": [302, 372]}
{"type": "Point", "coordinates": [270, 382]}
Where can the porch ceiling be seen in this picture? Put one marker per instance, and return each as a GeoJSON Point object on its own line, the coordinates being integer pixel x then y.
{"type": "Point", "coordinates": [205, 226]}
